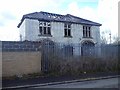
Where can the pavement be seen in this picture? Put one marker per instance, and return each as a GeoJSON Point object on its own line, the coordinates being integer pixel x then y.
{"type": "Point", "coordinates": [101, 83]}
{"type": "Point", "coordinates": [24, 83]}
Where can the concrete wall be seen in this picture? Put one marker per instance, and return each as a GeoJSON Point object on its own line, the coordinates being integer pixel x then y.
{"type": "Point", "coordinates": [20, 58]}
{"type": "Point", "coordinates": [19, 63]}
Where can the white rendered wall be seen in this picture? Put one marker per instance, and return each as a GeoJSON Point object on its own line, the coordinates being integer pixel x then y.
{"type": "Point", "coordinates": [96, 37]}
{"type": "Point", "coordinates": [30, 31]}
{"type": "Point", "coordinates": [22, 30]}
{"type": "Point", "coordinates": [57, 31]}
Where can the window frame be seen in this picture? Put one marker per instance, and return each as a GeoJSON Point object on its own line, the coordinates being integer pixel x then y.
{"type": "Point", "coordinates": [87, 31]}
{"type": "Point", "coordinates": [44, 28]}
{"type": "Point", "coordinates": [67, 30]}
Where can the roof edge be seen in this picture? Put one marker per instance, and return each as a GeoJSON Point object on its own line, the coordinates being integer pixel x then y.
{"type": "Point", "coordinates": [84, 19]}
{"type": "Point", "coordinates": [25, 17]}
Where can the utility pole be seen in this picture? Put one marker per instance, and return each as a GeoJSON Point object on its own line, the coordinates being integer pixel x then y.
{"type": "Point", "coordinates": [110, 38]}
{"type": "Point", "coordinates": [20, 37]}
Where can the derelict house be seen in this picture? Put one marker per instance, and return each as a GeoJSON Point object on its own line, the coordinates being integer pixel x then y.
{"type": "Point", "coordinates": [64, 29]}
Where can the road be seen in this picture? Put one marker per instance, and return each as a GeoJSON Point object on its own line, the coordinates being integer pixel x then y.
{"type": "Point", "coordinates": [104, 83]}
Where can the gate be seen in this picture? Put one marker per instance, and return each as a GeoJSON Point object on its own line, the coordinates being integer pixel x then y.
{"type": "Point", "coordinates": [47, 50]}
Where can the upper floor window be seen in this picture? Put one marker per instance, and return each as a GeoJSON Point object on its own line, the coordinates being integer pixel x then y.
{"type": "Point", "coordinates": [86, 31]}
{"type": "Point", "coordinates": [67, 30]}
{"type": "Point", "coordinates": [44, 28]}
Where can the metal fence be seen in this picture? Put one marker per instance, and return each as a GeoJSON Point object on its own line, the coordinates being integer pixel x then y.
{"type": "Point", "coordinates": [52, 51]}
{"type": "Point", "coordinates": [58, 51]}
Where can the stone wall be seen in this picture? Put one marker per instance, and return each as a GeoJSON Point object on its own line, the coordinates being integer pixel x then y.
{"type": "Point", "coordinates": [20, 58]}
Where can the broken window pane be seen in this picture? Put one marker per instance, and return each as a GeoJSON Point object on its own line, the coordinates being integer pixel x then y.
{"type": "Point", "coordinates": [45, 30]}
{"type": "Point", "coordinates": [69, 26]}
{"type": "Point", "coordinates": [89, 34]}
{"type": "Point", "coordinates": [48, 24]}
{"type": "Point", "coordinates": [86, 31]}
{"type": "Point", "coordinates": [44, 23]}
{"type": "Point", "coordinates": [40, 30]}
{"type": "Point", "coordinates": [65, 25]}
{"type": "Point", "coordinates": [69, 32]}
{"type": "Point", "coordinates": [65, 31]}
{"type": "Point", "coordinates": [49, 32]}
{"type": "Point", "coordinates": [40, 24]}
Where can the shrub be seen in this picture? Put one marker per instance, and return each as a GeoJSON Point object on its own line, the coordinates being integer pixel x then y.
{"type": "Point", "coordinates": [79, 65]}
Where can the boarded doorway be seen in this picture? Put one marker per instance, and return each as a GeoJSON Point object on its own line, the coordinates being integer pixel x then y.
{"type": "Point", "coordinates": [88, 48]}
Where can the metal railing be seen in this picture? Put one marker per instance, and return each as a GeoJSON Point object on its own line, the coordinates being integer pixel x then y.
{"type": "Point", "coordinates": [64, 52]}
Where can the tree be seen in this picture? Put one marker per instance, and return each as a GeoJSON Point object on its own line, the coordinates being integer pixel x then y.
{"type": "Point", "coordinates": [103, 38]}
{"type": "Point", "coordinates": [116, 40]}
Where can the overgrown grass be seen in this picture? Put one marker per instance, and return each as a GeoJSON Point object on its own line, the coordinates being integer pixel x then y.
{"type": "Point", "coordinates": [80, 65]}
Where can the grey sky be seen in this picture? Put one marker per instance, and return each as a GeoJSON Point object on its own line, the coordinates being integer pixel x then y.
{"type": "Point", "coordinates": [101, 11]}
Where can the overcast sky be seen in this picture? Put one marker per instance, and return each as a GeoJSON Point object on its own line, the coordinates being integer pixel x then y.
{"type": "Point", "coordinates": [101, 11]}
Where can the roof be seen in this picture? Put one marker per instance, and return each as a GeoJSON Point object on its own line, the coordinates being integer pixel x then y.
{"type": "Point", "coordinates": [57, 18]}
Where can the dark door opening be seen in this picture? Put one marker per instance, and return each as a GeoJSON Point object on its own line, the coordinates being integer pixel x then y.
{"type": "Point", "coordinates": [88, 48]}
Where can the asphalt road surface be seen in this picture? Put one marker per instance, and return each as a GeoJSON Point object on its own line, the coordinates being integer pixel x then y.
{"type": "Point", "coordinates": [104, 83]}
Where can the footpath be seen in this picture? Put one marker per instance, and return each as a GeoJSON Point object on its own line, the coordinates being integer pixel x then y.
{"type": "Point", "coordinates": [23, 83]}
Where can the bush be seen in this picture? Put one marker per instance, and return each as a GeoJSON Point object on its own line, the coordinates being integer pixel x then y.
{"type": "Point", "coordinates": [80, 65]}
